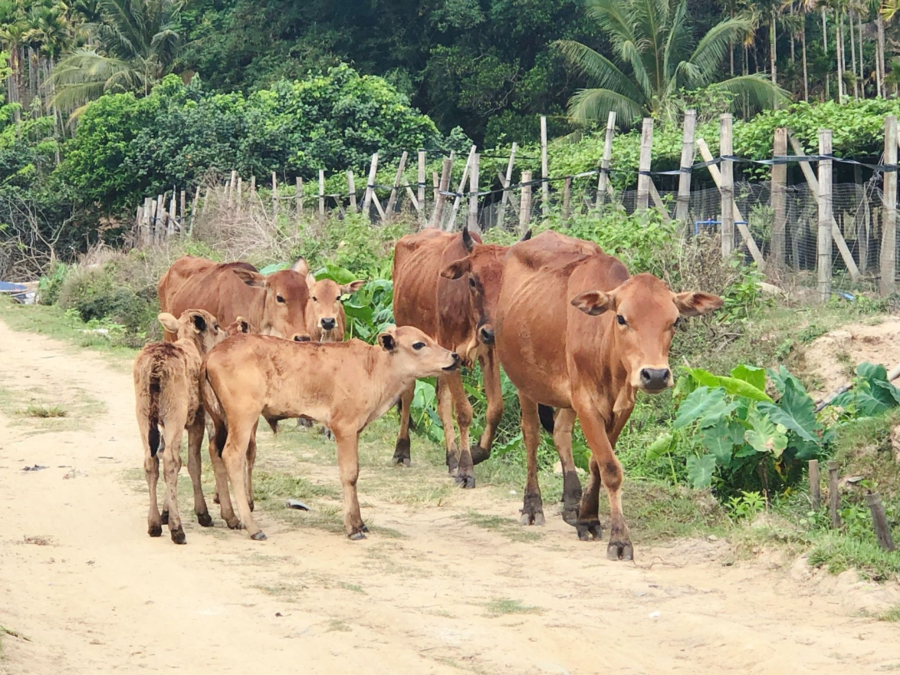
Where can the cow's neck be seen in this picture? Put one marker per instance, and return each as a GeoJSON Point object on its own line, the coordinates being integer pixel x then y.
{"type": "Point", "coordinates": [386, 390]}
{"type": "Point", "coordinates": [617, 372]}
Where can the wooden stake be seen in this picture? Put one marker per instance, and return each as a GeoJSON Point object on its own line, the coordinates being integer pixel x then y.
{"type": "Point", "coordinates": [240, 194]}
{"type": "Point", "coordinates": [603, 184]}
{"type": "Point", "coordinates": [506, 197]}
{"type": "Point", "coordinates": [525, 207]}
{"type": "Point", "coordinates": [545, 170]}
{"type": "Point", "coordinates": [824, 239]}
{"type": "Point", "coordinates": [778, 198]}
{"type": "Point", "coordinates": [815, 492]}
{"type": "Point", "coordinates": [351, 188]}
{"type": "Point", "coordinates": [274, 195]}
{"type": "Point", "coordinates": [370, 185]}
{"type": "Point", "coordinates": [231, 185]}
{"type": "Point", "coordinates": [173, 211]}
{"type": "Point", "coordinates": [473, 194]}
{"type": "Point", "coordinates": [834, 495]}
{"type": "Point", "coordinates": [658, 202]}
{"type": "Point", "coordinates": [643, 184]}
{"type": "Point", "coordinates": [194, 206]}
{"type": "Point", "coordinates": [683, 204]}
{"type": "Point", "coordinates": [727, 187]}
{"type": "Point", "coordinates": [205, 201]}
{"type": "Point", "coordinates": [392, 200]}
{"type": "Point", "coordinates": [435, 186]}
{"type": "Point", "coordinates": [440, 198]}
{"type": "Point", "coordinates": [567, 199]}
{"type": "Point", "coordinates": [321, 195]}
{"type": "Point", "coordinates": [420, 193]}
{"type": "Point", "coordinates": [451, 224]}
{"type": "Point", "coordinates": [889, 218]}
{"type": "Point", "coordinates": [183, 202]}
{"type": "Point", "coordinates": [298, 196]}
{"type": "Point", "coordinates": [252, 185]}
{"type": "Point", "coordinates": [880, 522]}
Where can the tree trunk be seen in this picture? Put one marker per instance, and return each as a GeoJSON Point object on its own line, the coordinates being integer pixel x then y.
{"type": "Point", "coordinates": [879, 55]}
{"type": "Point", "coordinates": [746, 60]}
{"type": "Point", "coordinates": [824, 32]}
{"type": "Point", "coordinates": [731, 51]}
{"type": "Point", "coordinates": [853, 57]}
{"type": "Point", "coordinates": [805, 70]}
{"type": "Point", "coordinates": [862, 67]}
{"type": "Point", "coordinates": [772, 55]}
{"type": "Point", "coordinates": [838, 48]}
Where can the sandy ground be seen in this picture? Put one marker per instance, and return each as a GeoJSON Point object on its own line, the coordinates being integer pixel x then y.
{"type": "Point", "coordinates": [93, 593]}
{"type": "Point", "coordinates": [833, 357]}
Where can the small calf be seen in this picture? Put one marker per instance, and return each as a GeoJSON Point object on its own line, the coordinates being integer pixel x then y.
{"type": "Point", "coordinates": [343, 385]}
{"type": "Point", "coordinates": [167, 399]}
{"type": "Point", "coordinates": [325, 317]}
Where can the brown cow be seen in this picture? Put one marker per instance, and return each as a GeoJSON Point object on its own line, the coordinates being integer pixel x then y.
{"type": "Point", "coordinates": [325, 317]}
{"type": "Point", "coordinates": [167, 397]}
{"type": "Point", "coordinates": [275, 304]}
{"type": "Point", "coordinates": [344, 385]}
{"type": "Point", "coordinates": [576, 332]}
{"type": "Point", "coordinates": [441, 306]}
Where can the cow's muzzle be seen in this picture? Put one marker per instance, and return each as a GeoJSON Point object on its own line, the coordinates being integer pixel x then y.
{"type": "Point", "coordinates": [455, 364]}
{"type": "Point", "coordinates": [655, 380]}
{"type": "Point", "coordinates": [487, 335]}
{"type": "Point", "coordinates": [328, 324]}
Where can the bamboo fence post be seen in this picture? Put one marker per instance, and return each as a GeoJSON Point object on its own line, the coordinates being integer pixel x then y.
{"type": "Point", "coordinates": [392, 200]}
{"type": "Point", "coordinates": [501, 214]}
{"type": "Point", "coordinates": [321, 195]}
{"type": "Point", "coordinates": [438, 215]}
{"type": "Point", "coordinates": [658, 202]}
{"type": "Point", "coordinates": [240, 194]}
{"type": "Point", "coordinates": [603, 184]}
{"type": "Point", "coordinates": [525, 208]}
{"type": "Point", "coordinates": [545, 170]}
{"type": "Point", "coordinates": [420, 179]}
{"type": "Point", "coordinates": [473, 194]}
{"type": "Point", "coordinates": [889, 228]}
{"type": "Point", "coordinates": [834, 495]}
{"type": "Point", "coordinates": [567, 199]}
{"type": "Point", "coordinates": [727, 188]}
{"type": "Point", "coordinates": [274, 195]}
{"type": "Point", "coordinates": [194, 206]}
{"type": "Point", "coordinates": [147, 224]}
{"type": "Point", "coordinates": [370, 185]}
{"type": "Point", "coordinates": [183, 203]}
{"type": "Point", "coordinates": [643, 184]}
{"type": "Point", "coordinates": [158, 218]}
{"type": "Point", "coordinates": [252, 186]}
{"type": "Point", "coordinates": [451, 224]}
{"type": "Point", "coordinates": [351, 189]}
{"type": "Point", "coordinates": [506, 186]}
{"type": "Point", "coordinates": [683, 203]}
{"type": "Point", "coordinates": [173, 212]}
{"type": "Point", "coordinates": [778, 197]}
{"type": "Point", "coordinates": [205, 202]}
{"type": "Point", "coordinates": [836, 233]}
{"type": "Point", "coordinates": [435, 186]}
{"type": "Point", "coordinates": [231, 183]}
{"type": "Point", "coordinates": [880, 522]}
{"type": "Point", "coordinates": [824, 238]}
{"type": "Point", "coordinates": [815, 490]}
{"type": "Point", "coordinates": [138, 233]}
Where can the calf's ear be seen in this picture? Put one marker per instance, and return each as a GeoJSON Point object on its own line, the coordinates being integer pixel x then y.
{"type": "Point", "coordinates": [169, 322]}
{"type": "Point", "coordinates": [254, 279]}
{"type": "Point", "coordinates": [310, 282]}
{"type": "Point", "coordinates": [387, 341]}
{"type": "Point", "coordinates": [456, 269]}
{"type": "Point", "coordinates": [300, 266]}
{"type": "Point", "coordinates": [694, 303]}
{"type": "Point", "coordinates": [199, 322]}
{"type": "Point", "coordinates": [594, 302]}
{"type": "Point", "coordinates": [242, 324]}
{"type": "Point", "coordinates": [352, 287]}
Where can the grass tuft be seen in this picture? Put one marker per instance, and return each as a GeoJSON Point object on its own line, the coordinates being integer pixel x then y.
{"type": "Point", "coordinates": [502, 606]}
{"type": "Point", "coordinates": [45, 411]}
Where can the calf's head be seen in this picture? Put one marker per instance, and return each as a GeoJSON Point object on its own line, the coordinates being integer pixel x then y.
{"type": "Point", "coordinates": [483, 270]}
{"type": "Point", "coordinates": [642, 314]}
{"type": "Point", "coordinates": [413, 354]}
{"type": "Point", "coordinates": [286, 296]}
{"type": "Point", "coordinates": [325, 305]}
{"type": "Point", "coordinates": [196, 325]}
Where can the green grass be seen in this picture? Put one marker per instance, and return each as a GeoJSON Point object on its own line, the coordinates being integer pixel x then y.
{"type": "Point", "coordinates": [503, 606]}
{"type": "Point", "coordinates": [508, 527]}
{"type": "Point", "coordinates": [44, 411]}
{"type": "Point", "coordinates": [892, 615]}
{"type": "Point", "coordinates": [41, 411]}
{"type": "Point", "coordinates": [838, 553]}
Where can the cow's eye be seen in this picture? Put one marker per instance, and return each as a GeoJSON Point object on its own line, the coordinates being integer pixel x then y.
{"type": "Point", "coordinates": [314, 299]}
{"type": "Point", "coordinates": [621, 320]}
{"type": "Point", "coordinates": [279, 298]}
{"type": "Point", "coordinates": [471, 282]}
{"type": "Point", "coordinates": [418, 345]}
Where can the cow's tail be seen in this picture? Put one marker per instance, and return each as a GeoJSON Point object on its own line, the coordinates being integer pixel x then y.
{"type": "Point", "coordinates": [545, 412]}
{"type": "Point", "coordinates": [214, 410]}
{"type": "Point", "coordinates": [154, 389]}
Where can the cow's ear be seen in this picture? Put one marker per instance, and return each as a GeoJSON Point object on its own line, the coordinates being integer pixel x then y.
{"type": "Point", "coordinates": [352, 287]}
{"type": "Point", "coordinates": [694, 303]}
{"type": "Point", "coordinates": [310, 281]}
{"type": "Point", "coordinates": [169, 322]}
{"type": "Point", "coordinates": [387, 341]}
{"type": "Point", "coordinates": [254, 279]}
{"type": "Point", "coordinates": [468, 242]}
{"type": "Point", "coordinates": [526, 236]}
{"type": "Point", "coordinates": [199, 322]}
{"type": "Point", "coordinates": [300, 266]}
{"type": "Point", "coordinates": [594, 302]}
{"type": "Point", "coordinates": [456, 269]}
{"type": "Point", "coordinates": [243, 325]}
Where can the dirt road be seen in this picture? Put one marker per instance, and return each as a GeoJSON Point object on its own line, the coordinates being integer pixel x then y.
{"type": "Point", "coordinates": [93, 593]}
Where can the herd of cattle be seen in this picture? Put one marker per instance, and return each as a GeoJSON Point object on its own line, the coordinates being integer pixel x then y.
{"type": "Point", "coordinates": [576, 334]}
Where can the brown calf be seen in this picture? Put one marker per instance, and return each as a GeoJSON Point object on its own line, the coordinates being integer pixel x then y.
{"type": "Point", "coordinates": [325, 318]}
{"type": "Point", "coordinates": [576, 332]}
{"type": "Point", "coordinates": [344, 385]}
{"type": "Point", "coordinates": [167, 397]}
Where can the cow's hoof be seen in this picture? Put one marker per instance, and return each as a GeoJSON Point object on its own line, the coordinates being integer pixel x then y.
{"type": "Point", "coordinates": [251, 504]}
{"type": "Point", "coordinates": [235, 524]}
{"type": "Point", "coordinates": [356, 536]}
{"type": "Point", "coordinates": [154, 530]}
{"type": "Point", "coordinates": [259, 536]}
{"type": "Point", "coordinates": [164, 518]}
{"type": "Point", "coordinates": [178, 536]}
{"type": "Point", "coordinates": [571, 498]}
{"type": "Point", "coordinates": [620, 550]}
{"type": "Point", "coordinates": [465, 482]}
{"type": "Point", "coordinates": [532, 510]}
{"type": "Point", "coordinates": [326, 432]}
{"type": "Point", "coordinates": [204, 519]}
{"type": "Point", "coordinates": [589, 530]}
{"type": "Point", "coordinates": [304, 423]}
{"type": "Point", "coordinates": [452, 462]}
{"type": "Point", "coordinates": [401, 452]}
{"type": "Point", "coordinates": [363, 528]}
{"type": "Point", "coordinates": [216, 498]}
{"type": "Point", "coordinates": [570, 514]}
{"type": "Point", "coordinates": [479, 454]}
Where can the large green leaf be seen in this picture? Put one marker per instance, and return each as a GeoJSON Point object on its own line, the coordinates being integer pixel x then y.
{"type": "Point", "coordinates": [782, 376]}
{"type": "Point", "coordinates": [336, 273]}
{"type": "Point", "coordinates": [700, 470]}
{"type": "Point", "coordinates": [660, 446]}
{"type": "Point", "coordinates": [698, 404]}
{"type": "Point", "coordinates": [721, 439]}
{"type": "Point", "coordinates": [732, 385]}
{"type": "Point", "coordinates": [796, 411]}
{"type": "Point", "coordinates": [766, 436]}
{"type": "Point", "coordinates": [752, 374]}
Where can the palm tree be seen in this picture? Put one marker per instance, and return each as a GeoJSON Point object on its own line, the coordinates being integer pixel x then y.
{"type": "Point", "coordinates": [651, 39]}
{"type": "Point", "coordinates": [137, 41]}
{"type": "Point", "coordinates": [12, 37]}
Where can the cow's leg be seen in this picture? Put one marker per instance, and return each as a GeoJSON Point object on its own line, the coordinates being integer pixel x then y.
{"type": "Point", "coordinates": [465, 472]}
{"type": "Point", "coordinates": [445, 412]}
{"type": "Point", "coordinates": [171, 459]}
{"type": "Point", "coordinates": [195, 441]}
{"type": "Point", "coordinates": [348, 464]}
{"type": "Point", "coordinates": [215, 458]}
{"type": "Point", "coordinates": [164, 517]}
{"type": "Point", "coordinates": [401, 450]}
{"type": "Point", "coordinates": [210, 434]}
{"type": "Point", "coordinates": [533, 507]}
{"type": "Point", "coordinates": [490, 369]}
{"type": "Point", "coordinates": [251, 460]}
{"type": "Point", "coordinates": [234, 457]}
{"type": "Point", "coordinates": [151, 472]}
{"type": "Point", "coordinates": [562, 439]}
{"type": "Point", "coordinates": [604, 466]}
